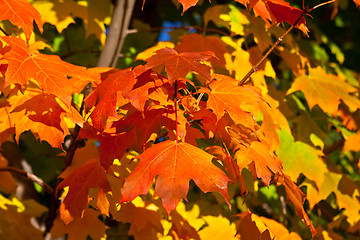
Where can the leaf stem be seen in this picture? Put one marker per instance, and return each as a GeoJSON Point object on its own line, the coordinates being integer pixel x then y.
{"type": "Point", "coordinates": [30, 176]}
{"type": "Point", "coordinates": [321, 4]}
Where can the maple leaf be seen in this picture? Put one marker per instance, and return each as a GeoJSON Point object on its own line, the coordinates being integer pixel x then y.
{"type": "Point", "coordinates": [297, 197]}
{"type": "Point", "coordinates": [316, 193]}
{"type": "Point", "coordinates": [357, 2]}
{"type": "Point", "coordinates": [140, 92]}
{"type": "Point", "coordinates": [62, 13]}
{"type": "Point", "coordinates": [89, 175]}
{"type": "Point", "coordinates": [187, 4]}
{"type": "Point", "coordinates": [218, 228]}
{"type": "Point", "coordinates": [6, 126]}
{"type": "Point", "coordinates": [325, 90]}
{"type": "Point", "coordinates": [178, 65]}
{"type": "Point", "coordinates": [104, 97]}
{"type": "Point", "coordinates": [181, 227]}
{"type": "Point", "coordinates": [22, 14]}
{"type": "Point", "coordinates": [12, 215]}
{"type": "Point", "coordinates": [276, 11]}
{"type": "Point", "coordinates": [251, 226]}
{"type": "Point", "coordinates": [49, 71]}
{"type": "Point", "coordinates": [145, 125]}
{"type": "Point", "coordinates": [299, 157]}
{"type": "Point", "coordinates": [80, 228]}
{"type": "Point", "coordinates": [145, 223]}
{"type": "Point", "coordinates": [352, 143]}
{"type": "Point", "coordinates": [175, 164]}
{"type": "Point", "coordinates": [7, 182]}
{"type": "Point", "coordinates": [259, 154]}
{"type": "Point", "coordinates": [42, 114]}
{"type": "Point", "coordinates": [115, 146]}
{"type": "Point", "coordinates": [226, 96]}
{"type": "Point", "coordinates": [199, 43]}
{"type": "Point", "coordinates": [283, 11]}
{"type": "Point", "coordinates": [347, 196]}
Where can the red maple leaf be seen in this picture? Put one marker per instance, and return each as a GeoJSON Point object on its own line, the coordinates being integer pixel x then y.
{"type": "Point", "coordinates": [178, 65]}
{"type": "Point", "coordinates": [22, 14]}
{"type": "Point", "coordinates": [283, 11]}
{"type": "Point", "coordinates": [199, 43]}
{"type": "Point", "coordinates": [175, 164]}
{"type": "Point", "coordinates": [276, 11]}
{"type": "Point", "coordinates": [104, 97]}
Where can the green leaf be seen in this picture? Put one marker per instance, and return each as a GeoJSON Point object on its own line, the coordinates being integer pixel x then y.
{"type": "Point", "coordinates": [299, 157]}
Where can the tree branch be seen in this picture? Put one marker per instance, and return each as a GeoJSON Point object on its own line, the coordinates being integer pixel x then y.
{"type": "Point", "coordinates": [30, 176]}
{"type": "Point", "coordinates": [279, 40]}
{"type": "Point", "coordinates": [108, 57]}
{"type": "Point", "coordinates": [117, 32]}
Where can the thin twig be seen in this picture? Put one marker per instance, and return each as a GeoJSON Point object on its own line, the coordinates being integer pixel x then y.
{"type": "Point", "coordinates": [128, 10]}
{"type": "Point", "coordinates": [117, 33]}
{"type": "Point", "coordinates": [321, 4]}
{"type": "Point", "coordinates": [337, 145]}
{"type": "Point", "coordinates": [30, 176]}
{"type": "Point", "coordinates": [113, 36]}
{"type": "Point", "coordinates": [280, 39]}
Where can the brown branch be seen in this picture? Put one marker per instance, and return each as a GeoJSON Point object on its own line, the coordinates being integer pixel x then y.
{"type": "Point", "coordinates": [337, 145]}
{"type": "Point", "coordinates": [30, 176]}
{"type": "Point", "coordinates": [117, 32]}
{"type": "Point", "coordinates": [128, 5]}
{"type": "Point", "coordinates": [108, 56]}
{"type": "Point", "coordinates": [278, 41]}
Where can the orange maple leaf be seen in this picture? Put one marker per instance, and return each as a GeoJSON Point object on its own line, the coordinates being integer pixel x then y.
{"type": "Point", "coordinates": [297, 197]}
{"type": "Point", "coordinates": [90, 225]}
{"type": "Point", "coordinates": [226, 96]}
{"type": "Point", "coordinates": [42, 114]}
{"type": "Point", "coordinates": [22, 14]}
{"type": "Point", "coordinates": [49, 71]}
{"type": "Point", "coordinates": [259, 154]}
{"type": "Point", "coordinates": [199, 43]}
{"type": "Point", "coordinates": [178, 65]}
{"type": "Point", "coordinates": [325, 90]}
{"type": "Point", "coordinates": [175, 164]}
{"type": "Point", "coordinates": [89, 175]}
{"type": "Point", "coordinates": [144, 223]}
